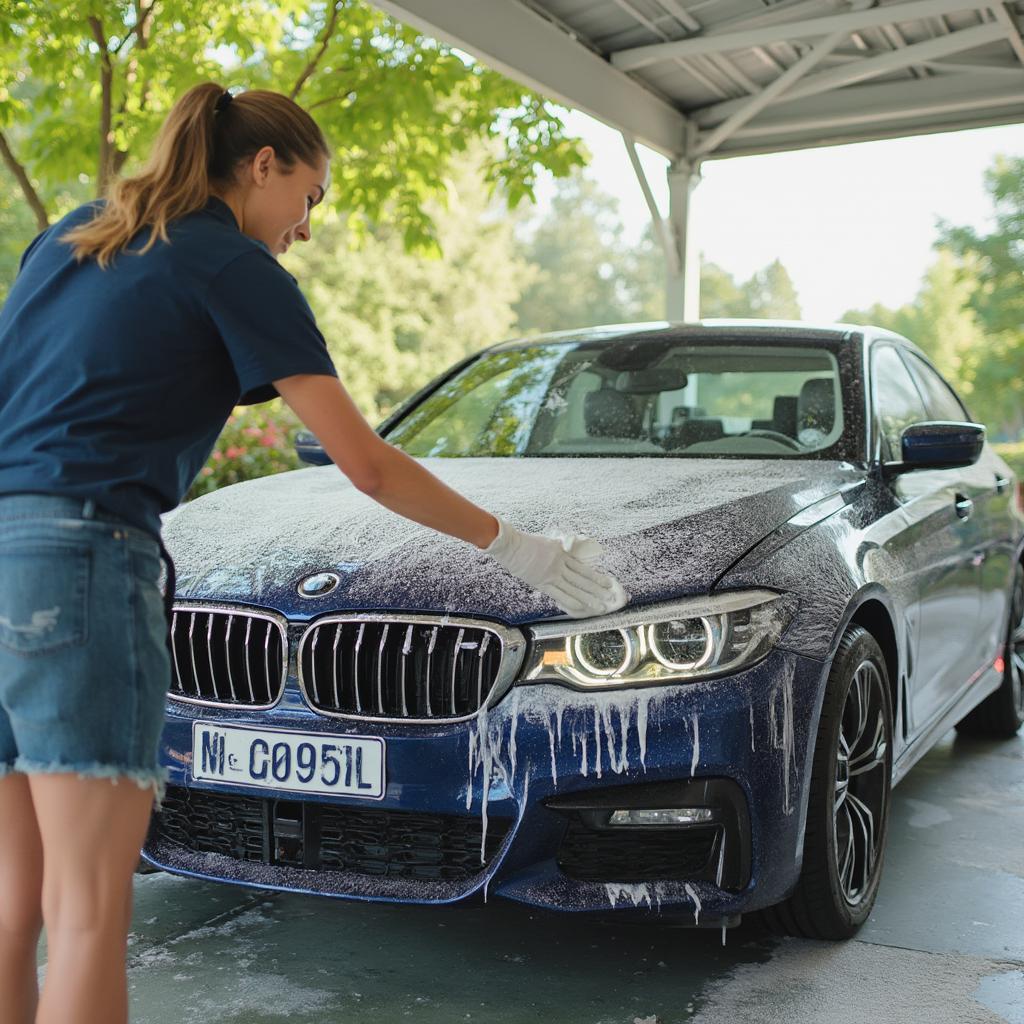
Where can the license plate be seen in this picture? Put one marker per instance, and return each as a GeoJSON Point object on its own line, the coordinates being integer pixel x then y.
{"type": "Point", "coordinates": [294, 762]}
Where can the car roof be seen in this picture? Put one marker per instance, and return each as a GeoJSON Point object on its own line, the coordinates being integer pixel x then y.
{"type": "Point", "coordinates": [707, 330]}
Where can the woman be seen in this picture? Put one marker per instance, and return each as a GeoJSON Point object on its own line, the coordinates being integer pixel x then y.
{"type": "Point", "coordinates": [132, 330]}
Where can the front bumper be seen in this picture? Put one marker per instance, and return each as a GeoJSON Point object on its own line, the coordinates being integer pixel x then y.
{"type": "Point", "coordinates": [508, 803]}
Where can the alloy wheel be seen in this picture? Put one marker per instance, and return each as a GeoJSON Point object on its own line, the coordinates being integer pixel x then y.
{"type": "Point", "coordinates": [1016, 645]}
{"type": "Point", "coordinates": [860, 784]}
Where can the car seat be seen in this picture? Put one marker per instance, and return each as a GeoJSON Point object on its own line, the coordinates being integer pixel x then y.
{"type": "Point", "coordinates": [611, 413]}
{"type": "Point", "coordinates": [816, 412]}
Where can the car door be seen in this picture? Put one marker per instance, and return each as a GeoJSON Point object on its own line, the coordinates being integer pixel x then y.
{"type": "Point", "coordinates": [941, 546]}
{"type": "Point", "coordinates": [991, 492]}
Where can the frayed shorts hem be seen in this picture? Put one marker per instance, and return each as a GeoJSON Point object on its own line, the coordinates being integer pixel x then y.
{"type": "Point", "coordinates": [155, 779]}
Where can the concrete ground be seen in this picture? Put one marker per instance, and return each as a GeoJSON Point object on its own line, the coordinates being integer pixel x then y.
{"type": "Point", "coordinates": [945, 944]}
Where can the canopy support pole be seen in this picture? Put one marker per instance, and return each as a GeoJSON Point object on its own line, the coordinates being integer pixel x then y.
{"type": "Point", "coordinates": [682, 283]}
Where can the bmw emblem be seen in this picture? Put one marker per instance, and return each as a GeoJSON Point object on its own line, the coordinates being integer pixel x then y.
{"type": "Point", "coordinates": [318, 584]}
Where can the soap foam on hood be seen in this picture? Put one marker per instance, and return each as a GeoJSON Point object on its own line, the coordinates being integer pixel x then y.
{"type": "Point", "coordinates": [666, 525]}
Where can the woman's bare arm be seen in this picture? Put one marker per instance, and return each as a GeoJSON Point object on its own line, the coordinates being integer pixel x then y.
{"type": "Point", "coordinates": [377, 468]}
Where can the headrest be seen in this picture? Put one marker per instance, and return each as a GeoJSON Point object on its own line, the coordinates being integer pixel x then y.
{"type": "Point", "coordinates": [784, 414]}
{"type": "Point", "coordinates": [816, 405]}
{"type": "Point", "coordinates": [610, 413]}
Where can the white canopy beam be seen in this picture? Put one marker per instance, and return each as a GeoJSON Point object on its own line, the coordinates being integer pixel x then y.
{"type": "Point", "coordinates": [740, 39]}
{"type": "Point", "coordinates": [1009, 25]}
{"type": "Point", "coordinates": [517, 41]}
{"type": "Point", "coordinates": [661, 227]}
{"type": "Point", "coordinates": [946, 67]}
{"type": "Point", "coordinates": [904, 108]}
{"type": "Point", "coordinates": [868, 67]}
{"type": "Point", "coordinates": [709, 142]}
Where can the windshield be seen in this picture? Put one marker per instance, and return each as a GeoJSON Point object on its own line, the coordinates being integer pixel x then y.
{"type": "Point", "coordinates": [627, 397]}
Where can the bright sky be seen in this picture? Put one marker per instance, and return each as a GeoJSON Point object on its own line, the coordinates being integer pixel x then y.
{"type": "Point", "coordinates": [853, 225]}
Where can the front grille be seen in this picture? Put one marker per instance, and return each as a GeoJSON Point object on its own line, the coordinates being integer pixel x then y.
{"type": "Point", "coordinates": [206, 823]}
{"type": "Point", "coordinates": [410, 668]}
{"type": "Point", "coordinates": [637, 854]}
{"type": "Point", "coordinates": [228, 656]}
{"type": "Point", "coordinates": [323, 837]}
{"type": "Point", "coordinates": [427, 846]}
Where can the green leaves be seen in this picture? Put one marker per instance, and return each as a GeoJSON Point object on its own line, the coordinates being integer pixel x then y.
{"type": "Point", "coordinates": [392, 318]}
{"type": "Point", "coordinates": [396, 107]}
{"type": "Point", "coordinates": [969, 313]}
{"type": "Point", "coordinates": [588, 275]}
{"type": "Point", "coordinates": [997, 257]}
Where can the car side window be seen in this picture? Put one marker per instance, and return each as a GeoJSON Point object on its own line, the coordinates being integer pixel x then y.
{"type": "Point", "coordinates": [942, 402]}
{"type": "Point", "coordinates": [897, 402]}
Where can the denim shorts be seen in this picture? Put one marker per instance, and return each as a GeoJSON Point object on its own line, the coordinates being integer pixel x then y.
{"type": "Point", "coordinates": [84, 665]}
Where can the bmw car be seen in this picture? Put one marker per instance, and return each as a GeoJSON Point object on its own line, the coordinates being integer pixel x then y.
{"type": "Point", "coordinates": [823, 559]}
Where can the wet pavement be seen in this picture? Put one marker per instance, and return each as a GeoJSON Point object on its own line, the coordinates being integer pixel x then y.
{"type": "Point", "coordinates": [945, 944]}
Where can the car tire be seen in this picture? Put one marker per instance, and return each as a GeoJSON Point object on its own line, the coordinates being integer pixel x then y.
{"type": "Point", "coordinates": [1001, 714]}
{"type": "Point", "coordinates": [844, 841]}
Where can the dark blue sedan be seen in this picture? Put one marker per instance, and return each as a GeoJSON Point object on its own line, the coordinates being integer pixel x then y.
{"type": "Point", "coordinates": [823, 562]}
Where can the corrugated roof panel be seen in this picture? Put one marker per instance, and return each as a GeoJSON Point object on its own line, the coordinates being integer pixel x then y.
{"type": "Point", "coordinates": [900, 67]}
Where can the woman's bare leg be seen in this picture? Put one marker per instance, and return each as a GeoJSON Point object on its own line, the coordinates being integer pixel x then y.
{"type": "Point", "coordinates": [92, 831]}
{"type": "Point", "coordinates": [21, 916]}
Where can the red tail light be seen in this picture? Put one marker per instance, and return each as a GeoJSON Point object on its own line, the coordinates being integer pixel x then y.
{"type": "Point", "coordinates": [1020, 495]}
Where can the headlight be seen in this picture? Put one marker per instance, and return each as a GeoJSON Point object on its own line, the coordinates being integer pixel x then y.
{"type": "Point", "coordinates": [683, 641]}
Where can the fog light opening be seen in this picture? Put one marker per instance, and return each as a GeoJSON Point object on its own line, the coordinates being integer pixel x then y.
{"type": "Point", "coordinates": [662, 816]}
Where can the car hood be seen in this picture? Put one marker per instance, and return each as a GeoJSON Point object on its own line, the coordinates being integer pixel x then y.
{"type": "Point", "coordinates": [669, 527]}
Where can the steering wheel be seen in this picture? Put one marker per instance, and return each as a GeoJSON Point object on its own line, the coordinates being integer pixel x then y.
{"type": "Point", "coordinates": [774, 435]}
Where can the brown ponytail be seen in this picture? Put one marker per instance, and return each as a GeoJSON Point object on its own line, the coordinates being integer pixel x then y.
{"type": "Point", "coordinates": [197, 146]}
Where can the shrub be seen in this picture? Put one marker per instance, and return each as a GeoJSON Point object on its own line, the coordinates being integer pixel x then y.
{"type": "Point", "coordinates": [256, 441]}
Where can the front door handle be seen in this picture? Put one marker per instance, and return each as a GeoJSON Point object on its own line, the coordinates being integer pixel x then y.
{"type": "Point", "coordinates": [1002, 484]}
{"type": "Point", "coordinates": [964, 506]}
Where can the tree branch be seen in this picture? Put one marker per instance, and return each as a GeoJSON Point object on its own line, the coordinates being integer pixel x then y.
{"type": "Point", "coordinates": [144, 11]}
{"type": "Point", "coordinates": [31, 195]}
{"type": "Point", "coordinates": [140, 30]}
{"type": "Point", "coordinates": [143, 26]}
{"type": "Point", "coordinates": [325, 40]}
{"type": "Point", "coordinates": [106, 105]}
{"type": "Point", "coordinates": [329, 99]}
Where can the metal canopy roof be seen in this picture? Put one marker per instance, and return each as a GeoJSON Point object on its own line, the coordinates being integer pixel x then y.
{"type": "Point", "coordinates": [698, 79]}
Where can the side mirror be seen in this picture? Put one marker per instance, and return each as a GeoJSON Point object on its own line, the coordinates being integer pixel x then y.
{"type": "Point", "coordinates": [309, 449]}
{"type": "Point", "coordinates": [939, 445]}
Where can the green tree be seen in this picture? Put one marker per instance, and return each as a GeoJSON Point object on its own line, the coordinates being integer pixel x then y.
{"type": "Point", "coordinates": [394, 319]}
{"type": "Point", "coordinates": [902, 321]}
{"type": "Point", "coordinates": [986, 368]}
{"type": "Point", "coordinates": [587, 274]}
{"type": "Point", "coordinates": [84, 84]}
{"type": "Point", "coordinates": [642, 273]}
{"type": "Point", "coordinates": [720, 295]}
{"type": "Point", "coordinates": [990, 268]}
{"type": "Point", "coordinates": [16, 222]}
{"type": "Point", "coordinates": [770, 294]}
{"type": "Point", "coordinates": [996, 259]}
{"type": "Point", "coordinates": [578, 252]}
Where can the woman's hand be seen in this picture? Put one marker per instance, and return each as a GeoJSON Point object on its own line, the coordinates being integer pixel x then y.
{"type": "Point", "coordinates": [560, 569]}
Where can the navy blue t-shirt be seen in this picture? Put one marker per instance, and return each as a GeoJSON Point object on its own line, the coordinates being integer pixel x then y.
{"type": "Point", "coordinates": [114, 384]}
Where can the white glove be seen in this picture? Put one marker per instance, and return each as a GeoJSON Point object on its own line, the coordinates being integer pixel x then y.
{"type": "Point", "coordinates": [559, 568]}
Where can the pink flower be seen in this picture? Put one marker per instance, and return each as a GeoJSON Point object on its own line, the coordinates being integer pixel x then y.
{"type": "Point", "coordinates": [206, 471]}
{"type": "Point", "coordinates": [268, 441]}
{"type": "Point", "coordinates": [251, 431]}
{"type": "Point", "coordinates": [235, 452]}
{"type": "Point", "coordinates": [217, 456]}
